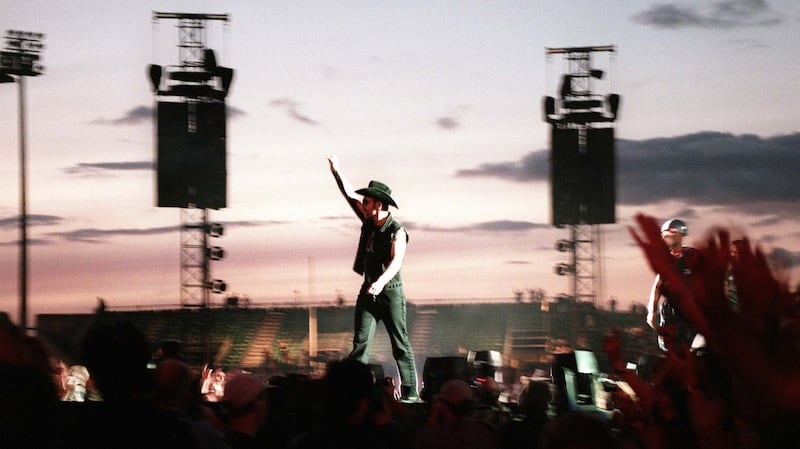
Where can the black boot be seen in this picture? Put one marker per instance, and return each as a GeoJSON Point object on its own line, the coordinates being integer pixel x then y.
{"type": "Point", "coordinates": [408, 394]}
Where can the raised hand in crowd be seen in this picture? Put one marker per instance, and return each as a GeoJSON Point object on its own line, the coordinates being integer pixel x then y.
{"type": "Point", "coordinates": [759, 343]}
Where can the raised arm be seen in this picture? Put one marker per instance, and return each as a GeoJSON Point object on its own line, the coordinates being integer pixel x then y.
{"type": "Point", "coordinates": [346, 188]}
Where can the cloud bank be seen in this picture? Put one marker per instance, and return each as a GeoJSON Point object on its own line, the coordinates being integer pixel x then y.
{"type": "Point", "coordinates": [144, 114]}
{"type": "Point", "coordinates": [751, 173]}
{"type": "Point", "coordinates": [33, 220]}
{"type": "Point", "coordinates": [709, 15]}
{"type": "Point", "coordinates": [94, 235]}
{"type": "Point", "coordinates": [291, 108]}
{"type": "Point", "coordinates": [487, 226]}
{"type": "Point", "coordinates": [86, 168]}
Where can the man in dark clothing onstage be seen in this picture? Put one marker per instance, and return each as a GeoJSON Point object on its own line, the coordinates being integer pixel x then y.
{"type": "Point", "coordinates": [381, 249]}
{"type": "Point", "coordinates": [659, 311]}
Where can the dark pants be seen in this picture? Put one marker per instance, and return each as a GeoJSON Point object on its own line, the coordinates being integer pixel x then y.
{"type": "Point", "coordinates": [684, 332]}
{"type": "Point", "coordinates": [390, 307]}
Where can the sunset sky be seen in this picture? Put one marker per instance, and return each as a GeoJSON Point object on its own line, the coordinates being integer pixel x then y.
{"type": "Point", "coordinates": [440, 100]}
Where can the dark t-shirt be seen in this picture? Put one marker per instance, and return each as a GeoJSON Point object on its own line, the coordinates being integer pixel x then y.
{"type": "Point", "coordinates": [690, 263]}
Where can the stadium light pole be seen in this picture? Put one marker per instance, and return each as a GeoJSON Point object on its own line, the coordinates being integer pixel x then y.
{"type": "Point", "coordinates": [18, 60]}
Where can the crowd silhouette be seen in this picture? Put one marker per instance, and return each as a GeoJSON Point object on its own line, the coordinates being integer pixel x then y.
{"type": "Point", "coordinates": [742, 390]}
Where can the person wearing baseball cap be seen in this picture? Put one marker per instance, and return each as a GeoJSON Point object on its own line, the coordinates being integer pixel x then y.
{"type": "Point", "coordinates": [381, 249]}
{"type": "Point", "coordinates": [660, 313]}
{"type": "Point", "coordinates": [451, 422]}
{"type": "Point", "coordinates": [245, 407]}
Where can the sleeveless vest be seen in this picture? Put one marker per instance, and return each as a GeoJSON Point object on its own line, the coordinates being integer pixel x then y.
{"type": "Point", "coordinates": [375, 250]}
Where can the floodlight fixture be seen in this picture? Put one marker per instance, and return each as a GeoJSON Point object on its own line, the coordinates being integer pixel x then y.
{"type": "Point", "coordinates": [564, 245]}
{"type": "Point", "coordinates": [596, 73]}
{"type": "Point", "coordinates": [215, 229]}
{"type": "Point", "coordinates": [216, 285]}
{"type": "Point", "coordinates": [563, 269]}
{"type": "Point", "coordinates": [215, 253]}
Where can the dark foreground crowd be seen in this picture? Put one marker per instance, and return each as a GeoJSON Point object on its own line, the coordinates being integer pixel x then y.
{"type": "Point", "coordinates": [742, 390]}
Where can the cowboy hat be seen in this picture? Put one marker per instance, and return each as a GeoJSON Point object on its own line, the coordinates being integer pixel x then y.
{"type": "Point", "coordinates": [378, 191]}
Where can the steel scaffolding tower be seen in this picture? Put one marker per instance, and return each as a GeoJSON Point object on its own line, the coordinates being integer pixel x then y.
{"type": "Point", "coordinates": [196, 254]}
{"type": "Point", "coordinates": [582, 169]}
{"type": "Point", "coordinates": [194, 80]}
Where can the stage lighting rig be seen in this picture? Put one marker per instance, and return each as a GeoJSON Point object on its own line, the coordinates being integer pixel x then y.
{"type": "Point", "coordinates": [576, 103]}
{"type": "Point", "coordinates": [204, 80]}
{"type": "Point", "coordinates": [564, 245]}
{"type": "Point", "coordinates": [216, 286]}
{"type": "Point", "coordinates": [215, 229]}
{"type": "Point", "coordinates": [563, 269]}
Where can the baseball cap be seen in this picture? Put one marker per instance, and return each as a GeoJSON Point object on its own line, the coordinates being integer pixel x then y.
{"type": "Point", "coordinates": [242, 390]}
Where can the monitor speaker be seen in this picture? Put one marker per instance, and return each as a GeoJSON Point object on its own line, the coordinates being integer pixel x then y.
{"type": "Point", "coordinates": [573, 378]}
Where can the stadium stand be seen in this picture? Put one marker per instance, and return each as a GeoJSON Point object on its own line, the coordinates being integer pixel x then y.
{"type": "Point", "coordinates": [278, 337]}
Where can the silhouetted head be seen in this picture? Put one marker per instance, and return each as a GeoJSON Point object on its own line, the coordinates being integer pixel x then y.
{"type": "Point", "coordinates": [116, 355]}
{"type": "Point", "coordinates": [173, 383]}
{"type": "Point", "coordinates": [347, 383]}
{"type": "Point", "coordinates": [457, 396]}
{"type": "Point", "coordinates": [535, 398]}
{"type": "Point", "coordinates": [578, 430]}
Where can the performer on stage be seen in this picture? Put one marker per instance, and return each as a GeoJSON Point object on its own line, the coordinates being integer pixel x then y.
{"type": "Point", "coordinates": [381, 249]}
{"type": "Point", "coordinates": [659, 311]}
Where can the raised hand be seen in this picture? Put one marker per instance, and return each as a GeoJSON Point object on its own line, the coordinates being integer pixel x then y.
{"type": "Point", "coordinates": [333, 162]}
{"type": "Point", "coordinates": [762, 298]}
{"type": "Point", "coordinates": [759, 344]}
